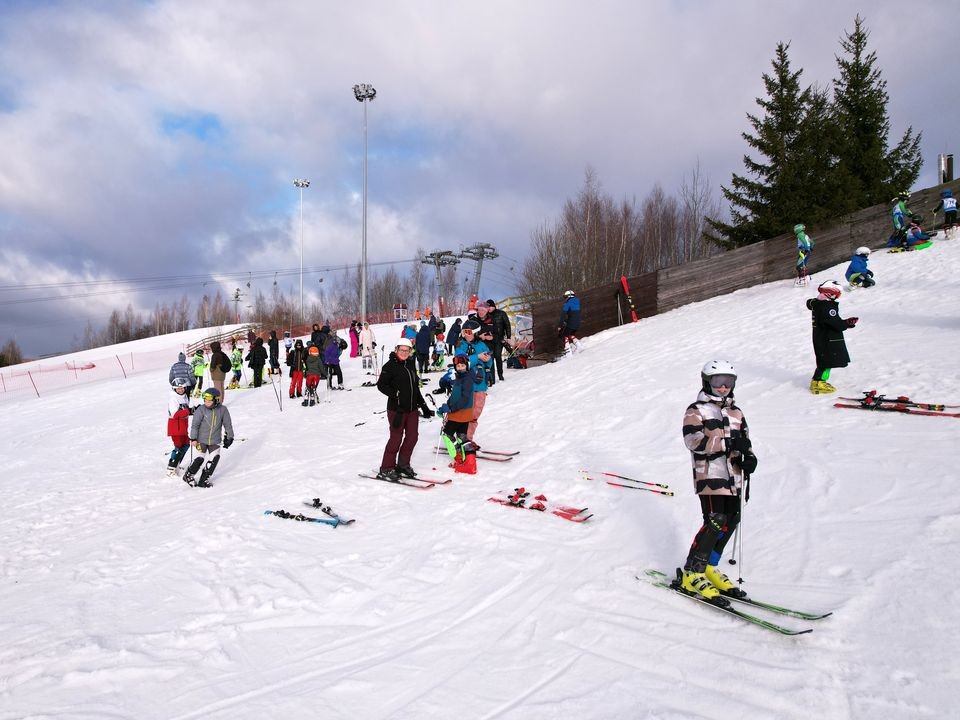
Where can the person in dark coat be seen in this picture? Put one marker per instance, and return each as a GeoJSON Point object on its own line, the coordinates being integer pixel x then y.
{"type": "Point", "coordinates": [274, 344]}
{"type": "Point", "coordinates": [315, 336]}
{"type": "Point", "coordinates": [453, 337]}
{"type": "Point", "coordinates": [256, 359]}
{"type": "Point", "coordinates": [424, 345]}
{"type": "Point", "coordinates": [296, 361]}
{"type": "Point", "coordinates": [501, 332]}
{"type": "Point", "coordinates": [828, 328]}
{"type": "Point", "coordinates": [399, 382]}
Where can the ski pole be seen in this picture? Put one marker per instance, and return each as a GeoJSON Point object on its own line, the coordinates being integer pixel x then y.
{"type": "Point", "coordinates": [436, 457]}
{"type": "Point", "coordinates": [276, 392]}
{"type": "Point", "coordinates": [733, 556]}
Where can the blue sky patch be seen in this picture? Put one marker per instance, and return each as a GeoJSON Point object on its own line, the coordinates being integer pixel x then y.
{"type": "Point", "coordinates": [203, 126]}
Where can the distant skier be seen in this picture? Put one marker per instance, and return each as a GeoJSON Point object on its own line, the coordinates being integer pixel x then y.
{"type": "Point", "coordinates": [716, 434]}
{"type": "Point", "coordinates": [236, 364]}
{"type": "Point", "coordinates": [804, 248]}
{"type": "Point", "coordinates": [368, 346]}
{"type": "Point", "coordinates": [354, 338]}
{"type": "Point", "coordinates": [828, 328]}
{"type": "Point", "coordinates": [570, 321]}
{"type": "Point", "coordinates": [948, 203]}
{"type": "Point", "coordinates": [199, 366]}
{"type": "Point", "coordinates": [331, 359]}
{"type": "Point", "coordinates": [296, 359]}
{"type": "Point", "coordinates": [899, 214]}
{"type": "Point", "coordinates": [220, 365]}
{"type": "Point", "coordinates": [209, 421]}
{"type": "Point", "coordinates": [858, 275]}
{"type": "Point", "coordinates": [181, 368]}
{"type": "Point", "coordinates": [178, 412]}
{"type": "Point", "coordinates": [399, 382]}
{"type": "Point", "coordinates": [314, 370]}
{"type": "Point", "coordinates": [256, 359]}
{"type": "Point", "coordinates": [274, 343]}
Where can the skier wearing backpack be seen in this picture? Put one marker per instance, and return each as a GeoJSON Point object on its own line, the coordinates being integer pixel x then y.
{"type": "Point", "coordinates": [828, 328]}
{"type": "Point", "coordinates": [715, 432]}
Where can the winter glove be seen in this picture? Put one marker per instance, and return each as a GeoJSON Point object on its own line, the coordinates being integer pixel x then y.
{"type": "Point", "coordinates": [852, 322]}
{"type": "Point", "coordinates": [748, 462]}
{"type": "Point", "coordinates": [741, 445]}
{"type": "Point", "coordinates": [426, 412]}
{"type": "Point", "coordinates": [227, 442]}
{"type": "Point", "coordinates": [443, 409]}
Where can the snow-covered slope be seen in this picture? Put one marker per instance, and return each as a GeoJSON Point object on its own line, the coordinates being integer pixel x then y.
{"type": "Point", "coordinates": [127, 594]}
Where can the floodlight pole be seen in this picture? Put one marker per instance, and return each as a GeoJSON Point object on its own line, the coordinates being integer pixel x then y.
{"type": "Point", "coordinates": [301, 184]}
{"type": "Point", "coordinates": [364, 93]}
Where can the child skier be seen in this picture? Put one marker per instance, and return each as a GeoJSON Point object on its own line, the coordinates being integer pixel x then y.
{"type": "Point", "coordinates": [209, 420]}
{"type": "Point", "coordinates": [313, 367]}
{"type": "Point", "coordinates": [858, 275]}
{"type": "Point", "coordinates": [458, 410]}
{"type": "Point", "coordinates": [199, 365]}
{"type": "Point", "coordinates": [948, 203]}
{"type": "Point", "coordinates": [715, 432]}
{"type": "Point", "coordinates": [295, 361]}
{"type": "Point", "coordinates": [804, 248]}
{"type": "Point", "coordinates": [898, 215]}
{"type": "Point", "coordinates": [828, 329]}
{"type": "Point", "coordinates": [570, 321]}
{"type": "Point", "coordinates": [236, 363]}
{"type": "Point", "coordinates": [178, 410]}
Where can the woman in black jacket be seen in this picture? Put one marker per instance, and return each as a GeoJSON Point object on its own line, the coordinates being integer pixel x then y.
{"type": "Point", "coordinates": [399, 382]}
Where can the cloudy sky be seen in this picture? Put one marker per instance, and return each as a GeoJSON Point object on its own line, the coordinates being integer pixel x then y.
{"type": "Point", "coordinates": [160, 139]}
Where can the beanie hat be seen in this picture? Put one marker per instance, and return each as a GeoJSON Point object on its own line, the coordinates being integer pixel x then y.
{"type": "Point", "coordinates": [471, 325]}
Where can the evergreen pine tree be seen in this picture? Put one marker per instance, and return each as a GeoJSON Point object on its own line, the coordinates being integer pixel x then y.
{"type": "Point", "coordinates": [775, 195]}
{"type": "Point", "coordinates": [873, 174]}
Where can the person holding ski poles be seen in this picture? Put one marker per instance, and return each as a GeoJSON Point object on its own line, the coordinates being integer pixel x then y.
{"type": "Point", "coordinates": [716, 434]}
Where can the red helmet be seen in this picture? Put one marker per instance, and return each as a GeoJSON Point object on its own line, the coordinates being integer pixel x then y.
{"type": "Point", "coordinates": [831, 289]}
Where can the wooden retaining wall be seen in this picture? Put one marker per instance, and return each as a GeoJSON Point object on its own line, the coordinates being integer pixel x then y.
{"type": "Point", "coordinates": [766, 261]}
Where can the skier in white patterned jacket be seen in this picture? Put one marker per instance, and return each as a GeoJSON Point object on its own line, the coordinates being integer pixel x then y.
{"type": "Point", "coordinates": [715, 432]}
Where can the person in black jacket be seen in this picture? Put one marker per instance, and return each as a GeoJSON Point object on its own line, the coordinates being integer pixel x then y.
{"type": "Point", "coordinates": [453, 337]}
{"type": "Point", "coordinates": [274, 343]}
{"type": "Point", "coordinates": [296, 360]}
{"type": "Point", "coordinates": [501, 331]}
{"type": "Point", "coordinates": [256, 359]}
{"type": "Point", "coordinates": [399, 382]}
{"type": "Point", "coordinates": [828, 328]}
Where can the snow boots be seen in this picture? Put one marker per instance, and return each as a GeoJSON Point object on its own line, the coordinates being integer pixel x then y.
{"type": "Point", "coordinates": [821, 387]}
{"type": "Point", "coordinates": [388, 474]}
{"type": "Point", "coordinates": [722, 583]}
{"type": "Point", "coordinates": [405, 471]}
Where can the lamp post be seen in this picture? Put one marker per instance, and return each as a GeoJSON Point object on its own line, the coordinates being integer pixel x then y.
{"type": "Point", "coordinates": [364, 93]}
{"type": "Point", "coordinates": [301, 184]}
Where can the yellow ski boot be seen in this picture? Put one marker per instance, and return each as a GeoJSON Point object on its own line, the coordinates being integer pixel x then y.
{"type": "Point", "coordinates": [821, 387]}
{"type": "Point", "coordinates": [697, 584]}
{"type": "Point", "coordinates": [722, 583]}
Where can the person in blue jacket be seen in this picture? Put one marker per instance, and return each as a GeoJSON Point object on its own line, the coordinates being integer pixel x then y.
{"type": "Point", "coordinates": [458, 412]}
{"type": "Point", "coordinates": [423, 345]}
{"type": "Point", "coordinates": [858, 275]}
{"type": "Point", "coordinates": [570, 321]}
{"type": "Point", "coordinates": [481, 362]}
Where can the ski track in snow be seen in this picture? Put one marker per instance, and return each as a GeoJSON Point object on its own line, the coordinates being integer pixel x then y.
{"type": "Point", "coordinates": [126, 594]}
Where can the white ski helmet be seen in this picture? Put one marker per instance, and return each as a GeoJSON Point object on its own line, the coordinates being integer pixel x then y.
{"type": "Point", "coordinates": [404, 342]}
{"type": "Point", "coordinates": [719, 369]}
{"type": "Point", "coordinates": [569, 293]}
{"type": "Point", "coordinates": [863, 250]}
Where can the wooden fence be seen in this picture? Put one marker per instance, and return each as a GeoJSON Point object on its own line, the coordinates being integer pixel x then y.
{"type": "Point", "coordinates": [604, 306]}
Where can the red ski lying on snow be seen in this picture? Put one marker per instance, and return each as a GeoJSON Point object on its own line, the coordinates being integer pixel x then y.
{"type": "Point", "coordinates": [520, 498]}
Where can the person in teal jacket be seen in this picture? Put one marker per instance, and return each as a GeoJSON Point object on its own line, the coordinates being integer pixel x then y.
{"type": "Point", "coordinates": [481, 362]}
{"type": "Point", "coordinates": [804, 248]}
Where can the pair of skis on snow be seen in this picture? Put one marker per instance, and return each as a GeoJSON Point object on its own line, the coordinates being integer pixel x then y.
{"type": "Point", "coordinates": [872, 400]}
{"type": "Point", "coordinates": [332, 518]}
{"type": "Point", "coordinates": [724, 604]}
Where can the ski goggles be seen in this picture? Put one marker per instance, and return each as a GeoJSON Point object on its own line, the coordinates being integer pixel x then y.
{"type": "Point", "coordinates": [208, 396]}
{"type": "Point", "coordinates": [722, 381]}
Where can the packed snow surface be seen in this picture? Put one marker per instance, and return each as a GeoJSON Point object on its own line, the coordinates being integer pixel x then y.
{"type": "Point", "coordinates": [127, 594]}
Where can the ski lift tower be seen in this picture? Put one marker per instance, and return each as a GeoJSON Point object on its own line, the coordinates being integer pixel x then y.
{"type": "Point", "coordinates": [479, 253]}
{"type": "Point", "coordinates": [439, 259]}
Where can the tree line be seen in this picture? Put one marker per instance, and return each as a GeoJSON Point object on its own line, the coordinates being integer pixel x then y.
{"type": "Point", "coordinates": [818, 156]}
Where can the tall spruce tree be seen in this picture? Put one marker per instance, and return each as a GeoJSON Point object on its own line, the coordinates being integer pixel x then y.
{"type": "Point", "coordinates": [872, 173]}
{"type": "Point", "coordinates": [793, 137]}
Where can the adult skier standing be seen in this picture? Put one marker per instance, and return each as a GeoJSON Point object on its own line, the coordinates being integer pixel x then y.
{"type": "Point", "coordinates": [399, 382]}
{"type": "Point", "coordinates": [715, 432]}
{"type": "Point", "coordinates": [828, 328]}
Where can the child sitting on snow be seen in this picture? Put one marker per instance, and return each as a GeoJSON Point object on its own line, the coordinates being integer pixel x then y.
{"type": "Point", "coordinates": [857, 273]}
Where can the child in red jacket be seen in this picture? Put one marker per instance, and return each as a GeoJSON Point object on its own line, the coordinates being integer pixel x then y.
{"type": "Point", "coordinates": [178, 412]}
